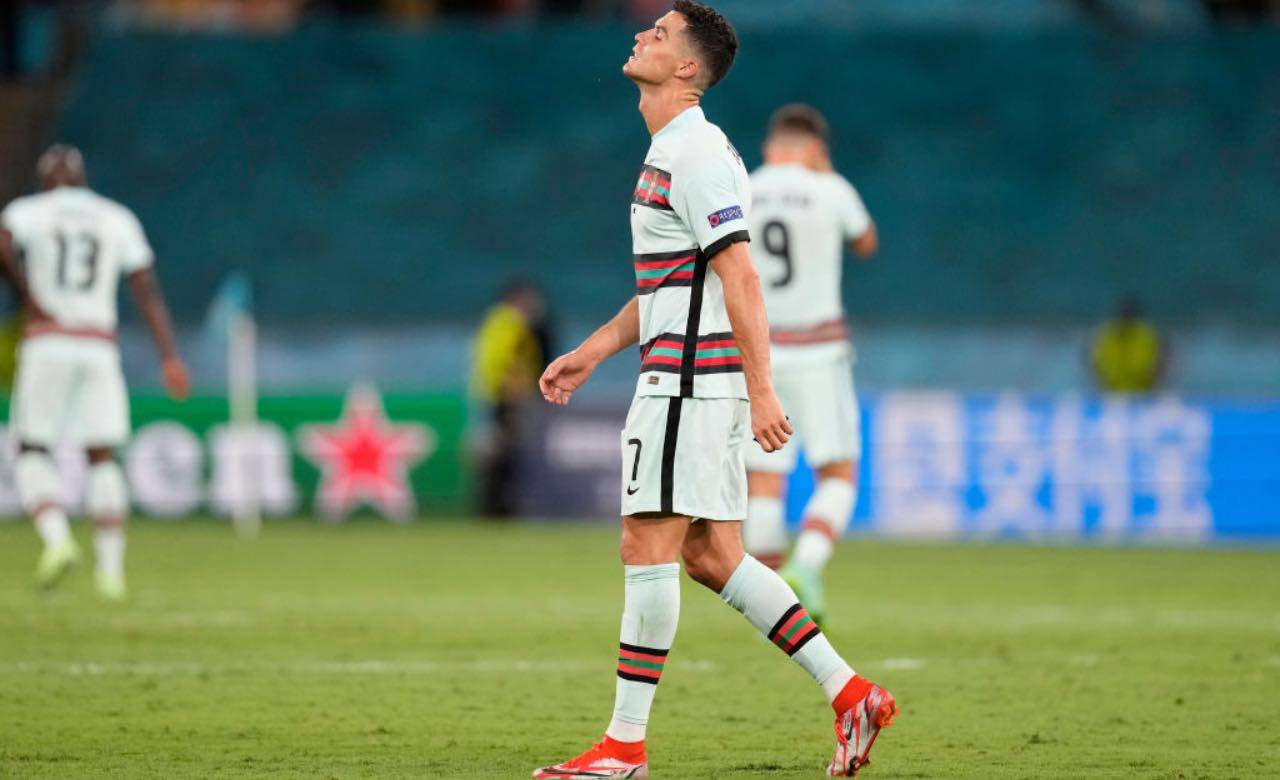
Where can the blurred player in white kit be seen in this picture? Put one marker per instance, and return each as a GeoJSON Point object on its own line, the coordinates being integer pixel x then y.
{"type": "Point", "coordinates": [805, 214]}
{"type": "Point", "coordinates": [64, 250]}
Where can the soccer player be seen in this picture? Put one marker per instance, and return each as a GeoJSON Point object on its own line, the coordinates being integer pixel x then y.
{"type": "Point", "coordinates": [805, 214]}
{"type": "Point", "coordinates": [703, 393]}
{"type": "Point", "coordinates": [75, 244]}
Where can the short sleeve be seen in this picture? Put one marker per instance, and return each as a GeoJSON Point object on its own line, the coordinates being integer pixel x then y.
{"type": "Point", "coordinates": [12, 221]}
{"type": "Point", "coordinates": [853, 216]}
{"type": "Point", "coordinates": [711, 200]}
{"type": "Point", "coordinates": [135, 251]}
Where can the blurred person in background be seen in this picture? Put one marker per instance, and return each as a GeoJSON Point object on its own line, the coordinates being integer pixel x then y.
{"type": "Point", "coordinates": [1128, 354]}
{"type": "Point", "coordinates": [805, 215]}
{"type": "Point", "coordinates": [511, 350]}
{"type": "Point", "coordinates": [75, 246]}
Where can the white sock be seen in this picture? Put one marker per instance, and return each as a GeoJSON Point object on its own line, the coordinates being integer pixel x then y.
{"type": "Point", "coordinates": [37, 483]}
{"type": "Point", "coordinates": [107, 503]}
{"type": "Point", "coordinates": [108, 549]}
{"type": "Point", "coordinates": [826, 517]}
{"type": "Point", "coordinates": [52, 526]}
{"type": "Point", "coordinates": [764, 599]}
{"type": "Point", "coordinates": [650, 613]}
{"type": "Point", "coordinates": [764, 534]}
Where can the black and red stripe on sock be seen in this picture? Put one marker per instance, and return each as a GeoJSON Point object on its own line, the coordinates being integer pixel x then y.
{"type": "Point", "coordinates": [640, 664]}
{"type": "Point", "coordinates": [793, 630]}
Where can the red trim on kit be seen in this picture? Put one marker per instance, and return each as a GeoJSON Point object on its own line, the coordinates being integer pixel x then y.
{"type": "Point", "coordinates": [42, 507]}
{"type": "Point", "coordinates": [823, 332]}
{"type": "Point", "coordinates": [822, 527]}
{"type": "Point", "coordinates": [105, 523]}
{"type": "Point", "coordinates": [54, 329]}
{"type": "Point", "coordinates": [771, 559]}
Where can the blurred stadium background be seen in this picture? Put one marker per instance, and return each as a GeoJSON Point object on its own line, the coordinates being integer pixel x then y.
{"type": "Point", "coordinates": [365, 178]}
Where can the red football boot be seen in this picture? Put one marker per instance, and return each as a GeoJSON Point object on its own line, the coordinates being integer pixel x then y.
{"type": "Point", "coordinates": [862, 709]}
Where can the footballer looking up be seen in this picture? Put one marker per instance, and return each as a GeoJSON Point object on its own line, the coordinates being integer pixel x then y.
{"type": "Point", "coordinates": [804, 214]}
{"type": "Point", "coordinates": [75, 245]}
{"type": "Point", "coordinates": [704, 393]}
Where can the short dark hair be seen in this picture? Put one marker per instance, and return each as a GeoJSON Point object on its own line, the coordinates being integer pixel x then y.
{"type": "Point", "coordinates": [799, 118]}
{"type": "Point", "coordinates": [713, 37]}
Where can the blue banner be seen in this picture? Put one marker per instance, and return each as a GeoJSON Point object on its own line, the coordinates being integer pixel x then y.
{"type": "Point", "coordinates": [943, 464]}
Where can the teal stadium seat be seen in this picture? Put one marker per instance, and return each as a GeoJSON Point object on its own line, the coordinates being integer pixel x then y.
{"type": "Point", "coordinates": [375, 176]}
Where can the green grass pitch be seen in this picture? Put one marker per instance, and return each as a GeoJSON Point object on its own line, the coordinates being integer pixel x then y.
{"type": "Point", "coordinates": [449, 650]}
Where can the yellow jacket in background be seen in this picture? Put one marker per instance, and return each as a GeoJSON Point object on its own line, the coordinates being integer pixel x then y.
{"type": "Point", "coordinates": [508, 360]}
{"type": "Point", "coordinates": [1127, 357]}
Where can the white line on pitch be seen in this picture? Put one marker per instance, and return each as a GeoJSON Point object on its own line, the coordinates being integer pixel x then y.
{"type": "Point", "coordinates": [366, 667]}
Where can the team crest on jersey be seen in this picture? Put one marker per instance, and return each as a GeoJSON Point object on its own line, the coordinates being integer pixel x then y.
{"type": "Point", "coordinates": [653, 189]}
{"type": "Point", "coordinates": [724, 215]}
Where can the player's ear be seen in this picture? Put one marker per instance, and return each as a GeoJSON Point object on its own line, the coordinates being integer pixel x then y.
{"type": "Point", "coordinates": [688, 70]}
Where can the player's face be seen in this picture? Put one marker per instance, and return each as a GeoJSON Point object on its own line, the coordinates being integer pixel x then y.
{"type": "Point", "coordinates": [660, 52]}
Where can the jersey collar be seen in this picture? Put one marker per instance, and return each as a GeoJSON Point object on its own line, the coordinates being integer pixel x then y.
{"type": "Point", "coordinates": [690, 114]}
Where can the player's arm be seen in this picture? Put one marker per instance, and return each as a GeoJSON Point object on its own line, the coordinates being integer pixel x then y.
{"type": "Point", "coordinates": [866, 245]}
{"type": "Point", "coordinates": [151, 302]}
{"type": "Point", "coordinates": [568, 372]}
{"type": "Point", "coordinates": [744, 303]}
{"type": "Point", "coordinates": [16, 279]}
{"type": "Point", "coordinates": [859, 228]}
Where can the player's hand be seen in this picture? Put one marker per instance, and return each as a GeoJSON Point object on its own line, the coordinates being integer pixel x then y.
{"type": "Point", "coordinates": [565, 375]}
{"type": "Point", "coordinates": [769, 424]}
{"type": "Point", "coordinates": [176, 379]}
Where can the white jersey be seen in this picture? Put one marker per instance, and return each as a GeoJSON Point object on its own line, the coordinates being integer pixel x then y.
{"type": "Point", "coordinates": [76, 245]}
{"type": "Point", "coordinates": [692, 200]}
{"type": "Point", "coordinates": [802, 219]}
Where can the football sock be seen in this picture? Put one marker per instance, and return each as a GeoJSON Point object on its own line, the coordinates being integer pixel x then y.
{"type": "Point", "coordinates": [650, 613]}
{"type": "Point", "coordinates": [764, 534]}
{"type": "Point", "coordinates": [769, 604]}
{"type": "Point", "coordinates": [37, 484]}
{"type": "Point", "coordinates": [825, 518]}
{"type": "Point", "coordinates": [107, 503]}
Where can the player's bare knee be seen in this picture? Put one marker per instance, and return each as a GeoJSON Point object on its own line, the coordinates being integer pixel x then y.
{"type": "Point", "coordinates": [98, 455]}
{"type": "Point", "coordinates": [764, 484]}
{"type": "Point", "coordinates": [845, 470]}
{"type": "Point", "coordinates": [649, 541]}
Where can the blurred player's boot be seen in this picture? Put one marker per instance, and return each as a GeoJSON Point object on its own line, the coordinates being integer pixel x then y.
{"type": "Point", "coordinates": [111, 586]}
{"type": "Point", "coordinates": [606, 758]}
{"type": "Point", "coordinates": [862, 709]}
{"type": "Point", "coordinates": [807, 583]}
{"type": "Point", "coordinates": [56, 560]}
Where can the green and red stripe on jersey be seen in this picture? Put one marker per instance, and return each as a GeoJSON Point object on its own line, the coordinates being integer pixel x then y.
{"type": "Point", "coordinates": [793, 630]}
{"type": "Point", "coordinates": [664, 269]}
{"type": "Point", "coordinates": [653, 189]}
{"type": "Point", "coordinates": [715, 353]}
{"type": "Point", "coordinates": [640, 664]}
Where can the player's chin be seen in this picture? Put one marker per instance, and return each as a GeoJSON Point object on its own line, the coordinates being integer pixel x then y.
{"type": "Point", "coordinates": [632, 70]}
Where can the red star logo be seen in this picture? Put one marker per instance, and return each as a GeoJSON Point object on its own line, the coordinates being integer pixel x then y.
{"type": "Point", "coordinates": [364, 458]}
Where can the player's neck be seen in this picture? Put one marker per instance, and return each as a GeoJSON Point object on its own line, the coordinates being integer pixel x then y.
{"type": "Point", "coordinates": [660, 103]}
{"type": "Point", "coordinates": [787, 158]}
